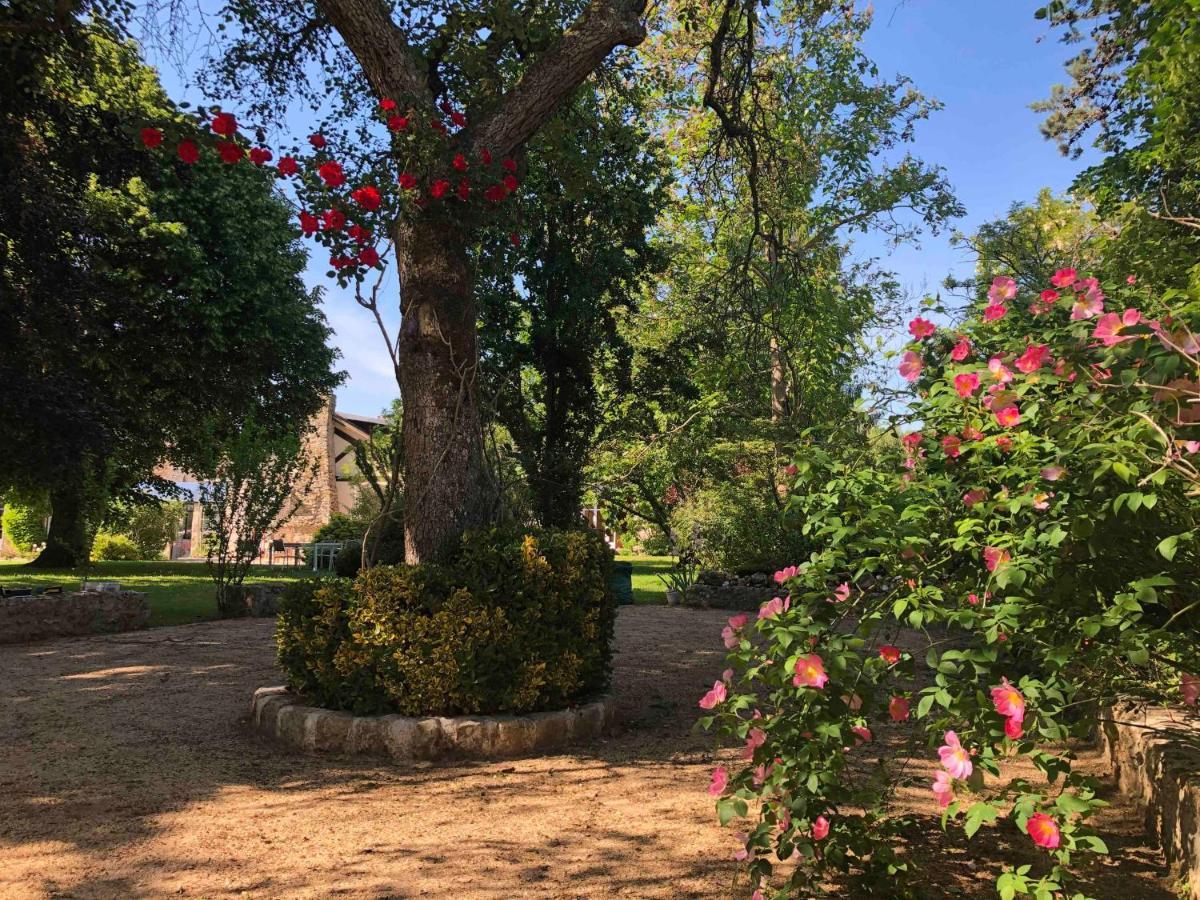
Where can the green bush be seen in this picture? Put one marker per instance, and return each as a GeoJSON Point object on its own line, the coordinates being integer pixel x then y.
{"type": "Point", "coordinates": [110, 547]}
{"type": "Point", "coordinates": [24, 526]}
{"type": "Point", "coordinates": [735, 527]}
{"type": "Point", "coordinates": [151, 527]}
{"type": "Point", "coordinates": [340, 527]}
{"type": "Point", "coordinates": [519, 621]}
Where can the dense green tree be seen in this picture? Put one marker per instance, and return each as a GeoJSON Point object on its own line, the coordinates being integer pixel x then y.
{"type": "Point", "coordinates": [553, 307]}
{"type": "Point", "coordinates": [147, 307]}
{"type": "Point", "coordinates": [789, 143]}
{"type": "Point", "coordinates": [1133, 91]}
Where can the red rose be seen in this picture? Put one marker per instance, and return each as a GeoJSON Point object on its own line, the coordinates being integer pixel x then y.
{"type": "Point", "coordinates": [510, 182]}
{"type": "Point", "coordinates": [366, 197]}
{"type": "Point", "coordinates": [368, 256]}
{"type": "Point", "coordinates": [460, 163]}
{"type": "Point", "coordinates": [317, 140]}
{"type": "Point", "coordinates": [397, 123]}
{"type": "Point", "coordinates": [288, 166]}
{"type": "Point", "coordinates": [438, 189]}
{"type": "Point", "coordinates": [495, 193]}
{"type": "Point", "coordinates": [458, 119]}
{"type": "Point", "coordinates": [387, 105]}
{"type": "Point", "coordinates": [438, 126]}
{"type": "Point", "coordinates": [509, 164]}
{"type": "Point", "coordinates": [188, 152]}
{"type": "Point", "coordinates": [224, 124]}
{"type": "Point", "coordinates": [360, 234]}
{"type": "Point", "coordinates": [515, 238]}
{"type": "Point", "coordinates": [308, 224]}
{"type": "Point", "coordinates": [408, 181]}
{"type": "Point", "coordinates": [464, 189]}
{"type": "Point", "coordinates": [331, 173]}
{"type": "Point", "coordinates": [333, 220]}
{"type": "Point", "coordinates": [151, 137]}
{"type": "Point", "coordinates": [229, 151]}
{"type": "Point", "coordinates": [260, 155]}
{"type": "Point", "coordinates": [485, 156]}
{"type": "Point", "coordinates": [445, 107]}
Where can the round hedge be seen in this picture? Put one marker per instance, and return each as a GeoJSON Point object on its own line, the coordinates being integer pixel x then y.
{"type": "Point", "coordinates": [517, 622]}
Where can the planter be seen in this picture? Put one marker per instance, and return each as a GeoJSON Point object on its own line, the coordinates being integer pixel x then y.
{"type": "Point", "coordinates": [674, 598]}
{"type": "Point", "coordinates": [280, 714]}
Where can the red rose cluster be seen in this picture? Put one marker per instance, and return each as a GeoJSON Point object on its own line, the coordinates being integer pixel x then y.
{"type": "Point", "coordinates": [330, 225]}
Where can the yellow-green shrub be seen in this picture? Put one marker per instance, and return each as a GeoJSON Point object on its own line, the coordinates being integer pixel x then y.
{"type": "Point", "coordinates": [519, 621]}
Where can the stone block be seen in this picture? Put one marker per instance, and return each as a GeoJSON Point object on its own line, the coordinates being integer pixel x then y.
{"type": "Point", "coordinates": [290, 724]}
{"type": "Point", "coordinates": [327, 730]}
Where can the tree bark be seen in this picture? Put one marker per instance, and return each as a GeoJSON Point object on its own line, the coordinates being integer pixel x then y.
{"type": "Point", "coordinates": [67, 543]}
{"type": "Point", "coordinates": [447, 485]}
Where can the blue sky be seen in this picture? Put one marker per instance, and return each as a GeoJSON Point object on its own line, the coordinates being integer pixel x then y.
{"type": "Point", "coordinates": [981, 58]}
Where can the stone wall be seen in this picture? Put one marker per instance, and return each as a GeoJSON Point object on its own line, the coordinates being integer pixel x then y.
{"type": "Point", "coordinates": [65, 615]}
{"type": "Point", "coordinates": [746, 593]}
{"type": "Point", "coordinates": [319, 500]}
{"type": "Point", "coordinates": [1156, 756]}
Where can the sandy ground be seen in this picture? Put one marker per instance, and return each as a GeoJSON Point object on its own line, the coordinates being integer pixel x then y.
{"type": "Point", "coordinates": [127, 770]}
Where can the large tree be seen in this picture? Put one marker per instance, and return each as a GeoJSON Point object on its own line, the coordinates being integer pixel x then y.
{"type": "Point", "coordinates": [145, 311]}
{"type": "Point", "coordinates": [509, 67]}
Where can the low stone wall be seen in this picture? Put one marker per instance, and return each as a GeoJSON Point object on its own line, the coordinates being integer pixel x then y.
{"type": "Point", "coordinates": [745, 598]}
{"type": "Point", "coordinates": [1156, 756]}
{"type": "Point", "coordinates": [279, 714]}
{"type": "Point", "coordinates": [66, 615]}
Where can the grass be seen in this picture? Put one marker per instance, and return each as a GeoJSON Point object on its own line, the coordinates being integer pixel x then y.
{"type": "Point", "coordinates": [647, 589]}
{"type": "Point", "coordinates": [181, 592]}
{"type": "Point", "coordinates": [178, 592]}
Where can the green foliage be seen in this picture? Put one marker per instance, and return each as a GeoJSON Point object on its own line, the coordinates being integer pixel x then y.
{"type": "Point", "coordinates": [150, 525]}
{"type": "Point", "coordinates": [253, 491]}
{"type": "Point", "coordinates": [554, 308]}
{"type": "Point", "coordinates": [148, 307]}
{"type": "Point", "coordinates": [736, 526]}
{"type": "Point", "coordinates": [517, 622]}
{"type": "Point", "coordinates": [340, 527]}
{"type": "Point", "coordinates": [115, 547]}
{"type": "Point", "coordinates": [24, 526]}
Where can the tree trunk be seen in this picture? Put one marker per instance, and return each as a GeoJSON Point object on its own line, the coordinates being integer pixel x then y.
{"type": "Point", "coordinates": [67, 543]}
{"type": "Point", "coordinates": [447, 488]}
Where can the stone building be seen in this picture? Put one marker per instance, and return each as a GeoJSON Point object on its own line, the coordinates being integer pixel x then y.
{"type": "Point", "coordinates": [335, 488]}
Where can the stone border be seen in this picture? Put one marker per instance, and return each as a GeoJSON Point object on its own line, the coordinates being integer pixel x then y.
{"type": "Point", "coordinates": [42, 617]}
{"type": "Point", "coordinates": [279, 714]}
{"type": "Point", "coordinates": [1156, 756]}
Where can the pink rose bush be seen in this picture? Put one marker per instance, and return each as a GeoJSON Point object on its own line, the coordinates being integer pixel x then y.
{"type": "Point", "coordinates": [1026, 540]}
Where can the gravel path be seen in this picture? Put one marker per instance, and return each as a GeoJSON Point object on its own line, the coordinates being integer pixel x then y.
{"type": "Point", "coordinates": [127, 770]}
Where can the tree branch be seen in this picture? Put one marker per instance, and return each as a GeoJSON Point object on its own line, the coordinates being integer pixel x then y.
{"type": "Point", "coordinates": [603, 25]}
{"type": "Point", "coordinates": [390, 65]}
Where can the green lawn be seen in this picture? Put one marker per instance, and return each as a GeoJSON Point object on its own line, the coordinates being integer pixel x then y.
{"type": "Point", "coordinates": [647, 589]}
{"type": "Point", "coordinates": [178, 592]}
{"type": "Point", "coordinates": [181, 592]}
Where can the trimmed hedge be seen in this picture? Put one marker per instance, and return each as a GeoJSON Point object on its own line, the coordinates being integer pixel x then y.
{"type": "Point", "coordinates": [518, 622]}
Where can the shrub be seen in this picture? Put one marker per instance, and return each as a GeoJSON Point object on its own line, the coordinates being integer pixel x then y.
{"type": "Point", "coordinates": [1039, 536]}
{"type": "Point", "coordinates": [24, 526]}
{"type": "Point", "coordinates": [519, 621]}
{"type": "Point", "coordinates": [152, 526]}
{"type": "Point", "coordinates": [340, 527]}
{"type": "Point", "coordinates": [111, 547]}
{"type": "Point", "coordinates": [736, 527]}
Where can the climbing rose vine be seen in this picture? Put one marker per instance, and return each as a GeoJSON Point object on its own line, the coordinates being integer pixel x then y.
{"type": "Point", "coordinates": [982, 590]}
{"type": "Point", "coordinates": [427, 173]}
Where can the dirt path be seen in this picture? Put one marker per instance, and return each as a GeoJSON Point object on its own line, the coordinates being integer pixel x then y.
{"type": "Point", "coordinates": [127, 770]}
